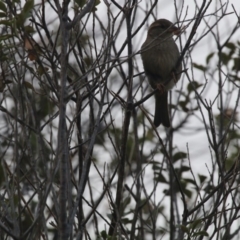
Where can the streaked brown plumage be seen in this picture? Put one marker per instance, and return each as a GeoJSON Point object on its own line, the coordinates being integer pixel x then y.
{"type": "Point", "coordinates": [159, 55]}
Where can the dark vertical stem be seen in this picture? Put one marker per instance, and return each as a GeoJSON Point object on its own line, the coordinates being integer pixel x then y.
{"type": "Point", "coordinates": [128, 112]}
{"type": "Point", "coordinates": [221, 116]}
{"type": "Point", "coordinates": [138, 171]}
{"type": "Point", "coordinates": [62, 130]}
{"type": "Point", "coordinates": [171, 186]}
{"type": "Point", "coordinates": [80, 154]}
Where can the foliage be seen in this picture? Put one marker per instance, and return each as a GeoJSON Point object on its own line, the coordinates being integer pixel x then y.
{"type": "Point", "coordinates": [80, 157]}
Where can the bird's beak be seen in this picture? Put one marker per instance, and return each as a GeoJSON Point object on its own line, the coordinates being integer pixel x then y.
{"type": "Point", "coordinates": [174, 30]}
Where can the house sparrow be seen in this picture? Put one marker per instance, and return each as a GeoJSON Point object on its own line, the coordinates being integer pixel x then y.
{"type": "Point", "coordinates": [159, 55]}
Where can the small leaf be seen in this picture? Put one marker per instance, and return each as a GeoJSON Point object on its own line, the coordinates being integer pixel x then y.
{"type": "Point", "coordinates": [189, 180]}
{"type": "Point", "coordinates": [7, 81]}
{"type": "Point", "coordinates": [231, 46]}
{"type": "Point", "coordinates": [183, 105]}
{"type": "Point", "coordinates": [3, 7]}
{"type": "Point", "coordinates": [2, 175]}
{"type": "Point", "coordinates": [224, 58]}
{"type": "Point", "coordinates": [179, 155]}
{"type": "Point", "coordinates": [161, 209]}
{"type": "Point", "coordinates": [88, 61]}
{"type": "Point", "coordinates": [201, 233]}
{"type": "Point", "coordinates": [28, 7]}
{"type": "Point", "coordinates": [104, 234]}
{"type": "Point", "coordinates": [235, 77]}
{"type": "Point", "coordinates": [42, 70]}
{"type": "Point", "coordinates": [209, 57]}
{"type": "Point", "coordinates": [21, 17]}
{"type": "Point", "coordinates": [161, 178]}
{"type": "Point", "coordinates": [199, 67]}
{"type": "Point", "coordinates": [187, 192]}
{"type": "Point", "coordinates": [202, 178]}
{"type": "Point", "coordinates": [194, 109]}
{"type": "Point", "coordinates": [126, 220]}
{"type": "Point", "coordinates": [28, 85]}
{"type": "Point", "coordinates": [29, 29]}
{"type": "Point", "coordinates": [80, 3]}
{"type": "Point", "coordinates": [126, 201]}
{"type": "Point", "coordinates": [6, 22]}
{"type": "Point", "coordinates": [236, 65]}
{"type": "Point", "coordinates": [166, 192]}
{"type": "Point", "coordinates": [184, 168]}
{"type": "Point", "coordinates": [2, 85]}
{"type": "Point", "coordinates": [208, 189]}
{"type": "Point", "coordinates": [184, 228]}
{"type": "Point", "coordinates": [3, 15]}
{"type": "Point", "coordinates": [95, 4]}
{"type": "Point", "coordinates": [193, 85]}
{"type": "Point", "coordinates": [195, 224]}
{"type": "Point", "coordinates": [5, 37]}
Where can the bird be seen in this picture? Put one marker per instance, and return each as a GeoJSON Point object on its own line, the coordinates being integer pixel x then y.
{"type": "Point", "coordinates": [159, 55]}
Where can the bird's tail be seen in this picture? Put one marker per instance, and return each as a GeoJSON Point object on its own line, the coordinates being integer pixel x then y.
{"type": "Point", "coordinates": [161, 110]}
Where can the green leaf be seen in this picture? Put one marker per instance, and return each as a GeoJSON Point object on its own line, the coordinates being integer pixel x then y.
{"type": "Point", "coordinates": [41, 70]}
{"type": "Point", "coordinates": [236, 65]}
{"type": "Point", "coordinates": [3, 7]}
{"type": "Point", "coordinates": [184, 168]}
{"type": "Point", "coordinates": [184, 228]}
{"type": "Point", "coordinates": [28, 85]}
{"type": "Point", "coordinates": [2, 176]}
{"type": "Point", "coordinates": [161, 178]}
{"type": "Point", "coordinates": [3, 15]}
{"type": "Point", "coordinates": [187, 192]}
{"type": "Point", "coordinates": [202, 178]}
{"type": "Point", "coordinates": [29, 29]}
{"type": "Point", "coordinates": [208, 188]}
{"type": "Point", "coordinates": [224, 58]}
{"type": "Point", "coordinates": [231, 46]}
{"type": "Point", "coordinates": [201, 233]}
{"type": "Point", "coordinates": [179, 155]}
{"type": "Point", "coordinates": [3, 57]}
{"type": "Point", "coordinates": [104, 234]}
{"type": "Point", "coordinates": [7, 81]}
{"type": "Point", "coordinates": [80, 3]}
{"type": "Point", "coordinates": [20, 19]}
{"type": "Point", "coordinates": [126, 201]}
{"type": "Point", "coordinates": [199, 67]}
{"type": "Point", "coordinates": [209, 57]}
{"type": "Point", "coordinates": [28, 6]}
{"type": "Point", "coordinates": [95, 4]}
{"type": "Point", "coordinates": [235, 77]}
{"type": "Point", "coordinates": [155, 167]}
{"type": "Point", "coordinates": [189, 180]}
{"type": "Point", "coordinates": [5, 37]}
{"type": "Point", "coordinates": [161, 209]}
{"type": "Point", "coordinates": [25, 13]}
{"type": "Point", "coordinates": [195, 224]}
{"type": "Point", "coordinates": [126, 220]}
{"type": "Point", "coordinates": [193, 85]}
{"type": "Point", "coordinates": [6, 22]}
{"type": "Point", "coordinates": [183, 105]}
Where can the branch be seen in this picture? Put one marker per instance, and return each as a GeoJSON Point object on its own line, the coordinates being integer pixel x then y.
{"type": "Point", "coordinates": [77, 18]}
